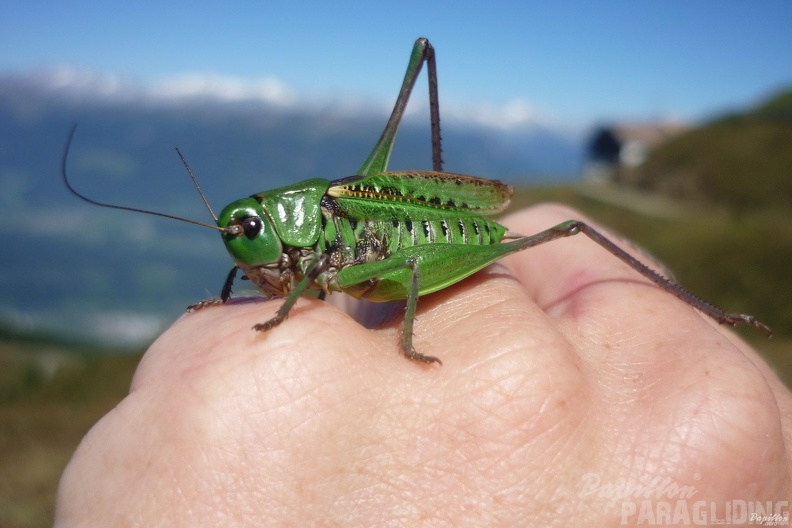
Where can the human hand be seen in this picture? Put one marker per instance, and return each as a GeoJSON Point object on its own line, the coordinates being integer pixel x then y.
{"type": "Point", "coordinates": [566, 379]}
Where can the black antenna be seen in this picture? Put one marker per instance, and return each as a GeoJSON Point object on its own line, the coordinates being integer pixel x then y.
{"type": "Point", "coordinates": [134, 209]}
{"type": "Point", "coordinates": [195, 182]}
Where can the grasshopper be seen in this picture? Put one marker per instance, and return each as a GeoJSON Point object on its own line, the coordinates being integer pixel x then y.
{"type": "Point", "coordinates": [382, 235]}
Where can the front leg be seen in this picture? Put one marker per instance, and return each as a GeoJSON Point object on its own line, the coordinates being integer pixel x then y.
{"type": "Point", "coordinates": [225, 293]}
{"type": "Point", "coordinates": [312, 273]}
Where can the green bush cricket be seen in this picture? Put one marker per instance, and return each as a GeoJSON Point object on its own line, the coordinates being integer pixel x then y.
{"type": "Point", "coordinates": [385, 236]}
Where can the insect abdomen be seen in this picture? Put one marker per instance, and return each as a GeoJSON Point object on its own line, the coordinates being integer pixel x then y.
{"type": "Point", "coordinates": [366, 230]}
{"type": "Point", "coordinates": [447, 229]}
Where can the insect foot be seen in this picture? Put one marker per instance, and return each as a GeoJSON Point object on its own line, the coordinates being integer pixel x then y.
{"type": "Point", "coordinates": [269, 325]}
{"type": "Point", "coordinates": [734, 318]}
{"type": "Point", "coordinates": [203, 304]}
{"type": "Point", "coordinates": [417, 356]}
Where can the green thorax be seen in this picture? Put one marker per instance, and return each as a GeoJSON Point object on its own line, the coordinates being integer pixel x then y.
{"type": "Point", "coordinates": [287, 216]}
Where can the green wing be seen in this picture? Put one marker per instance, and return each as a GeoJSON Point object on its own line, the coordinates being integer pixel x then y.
{"type": "Point", "coordinates": [434, 189]}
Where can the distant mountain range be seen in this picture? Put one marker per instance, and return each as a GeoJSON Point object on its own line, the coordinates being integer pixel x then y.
{"type": "Point", "coordinates": [69, 266]}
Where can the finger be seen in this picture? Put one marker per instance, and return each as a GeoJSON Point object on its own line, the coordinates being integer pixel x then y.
{"type": "Point", "coordinates": [575, 279]}
{"type": "Point", "coordinates": [215, 335]}
{"type": "Point", "coordinates": [619, 320]}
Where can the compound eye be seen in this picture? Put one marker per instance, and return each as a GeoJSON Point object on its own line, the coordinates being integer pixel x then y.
{"type": "Point", "coordinates": [251, 225]}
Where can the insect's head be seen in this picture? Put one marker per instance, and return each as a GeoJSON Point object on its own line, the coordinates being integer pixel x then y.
{"type": "Point", "coordinates": [249, 234]}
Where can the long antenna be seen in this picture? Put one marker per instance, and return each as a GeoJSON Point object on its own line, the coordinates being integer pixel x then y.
{"type": "Point", "coordinates": [133, 209]}
{"type": "Point", "coordinates": [195, 182]}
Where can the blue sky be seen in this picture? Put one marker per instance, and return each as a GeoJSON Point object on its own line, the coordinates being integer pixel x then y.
{"type": "Point", "coordinates": [563, 62]}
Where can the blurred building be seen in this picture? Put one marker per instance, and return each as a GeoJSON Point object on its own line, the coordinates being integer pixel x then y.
{"type": "Point", "coordinates": [614, 151]}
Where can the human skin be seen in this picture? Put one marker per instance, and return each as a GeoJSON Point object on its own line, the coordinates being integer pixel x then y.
{"type": "Point", "coordinates": [565, 375]}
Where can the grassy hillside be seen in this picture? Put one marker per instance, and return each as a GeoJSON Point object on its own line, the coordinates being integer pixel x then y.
{"type": "Point", "coordinates": [50, 395]}
{"type": "Point", "coordinates": [742, 161]}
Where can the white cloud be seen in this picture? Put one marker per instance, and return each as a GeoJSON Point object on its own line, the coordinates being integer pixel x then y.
{"type": "Point", "coordinates": [511, 115]}
{"type": "Point", "coordinates": [516, 113]}
{"type": "Point", "coordinates": [222, 88]}
{"type": "Point", "coordinates": [86, 83]}
{"type": "Point", "coordinates": [89, 82]}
